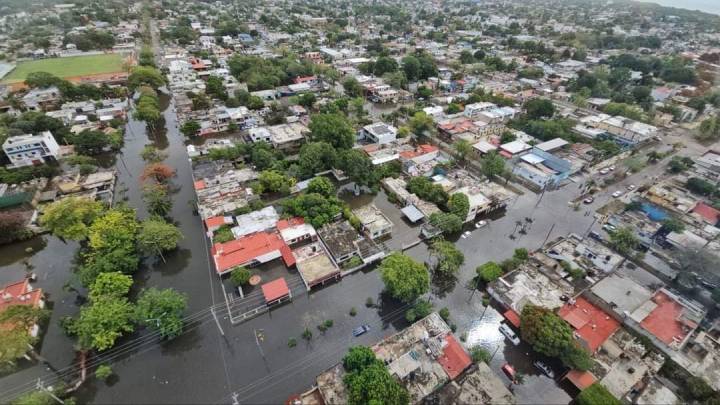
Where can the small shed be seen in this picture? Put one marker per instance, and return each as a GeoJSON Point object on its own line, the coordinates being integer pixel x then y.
{"type": "Point", "coordinates": [276, 291]}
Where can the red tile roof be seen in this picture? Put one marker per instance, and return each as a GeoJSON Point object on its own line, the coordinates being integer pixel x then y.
{"type": "Point", "coordinates": [214, 222]}
{"type": "Point", "coordinates": [707, 212]}
{"type": "Point", "coordinates": [454, 359]}
{"type": "Point", "coordinates": [19, 293]}
{"type": "Point", "coordinates": [581, 379]}
{"type": "Point", "coordinates": [420, 150]}
{"type": "Point", "coordinates": [289, 223]}
{"type": "Point", "coordinates": [512, 317]}
{"type": "Point", "coordinates": [242, 251]}
{"type": "Point", "coordinates": [591, 323]}
{"type": "Point", "coordinates": [275, 289]}
{"type": "Point", "coordinates": [304, 79]}
{"type": "Point", "coordinates": [199, 185]}
{"type": "Point", "coordinates": [665, 321]}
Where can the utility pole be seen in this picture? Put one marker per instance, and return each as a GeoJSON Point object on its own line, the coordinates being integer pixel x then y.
{"type": "Point", "coordinates": [547, 236]}
{"type": "Point", "coordinates": [222, 332]}
{"type": "Point", "coordinates": [41, 386]}
{"type": "Point", "coordinates": [590, 227]}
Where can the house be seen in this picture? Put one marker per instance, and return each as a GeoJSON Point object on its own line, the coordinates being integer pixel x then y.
{"type": "Point", "coordinates": [472, 111]}
{"type": "Point", "coordinates": [295, 231]}
{"type": "Point", "coordinates": [251, 250]}
{"type": "Point", "coordinates": [541, 168]}
{"type": "Point", "coordinates": [288, 137]}
{"type": "Point", "coordinates": [39, 99]}
{"type": "Point", "coordinates": [379, 132]}
{"type": "Point", "coordinates": [514, 148]}
{"type": "Point", "coordinates": [314, 265]}
{"type": "Point", "coordinates": [21, 293]}
{"type": "Point", "coordinates": [374, 223]}
{"type": "Point", "coordinates": [591, 324]}
{"type": "Point", "coordinates": [29, 150]}
{"type": "Point", "coordinates": [257, 221]}
{"type": "Point", "coordinates": [420, 161]}
{"type": "Point", "coordinates": [212, 224]}
{"type": "Point", "coordinates": [343, 243]}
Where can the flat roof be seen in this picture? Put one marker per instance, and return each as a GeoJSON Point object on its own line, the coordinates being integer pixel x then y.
{"type": "Point", "coordinates": [315, 265]}
{"type": "Point", "coordinates": [412, 213]}
{"type": "Point", "coordinates": [515, 147]}
{"type": "Point", "coordinates": [275, 290]}
{"type": "Point", "coordinates": [625, 293]}
{"type": "Point", "coordinates": [665, 321]}
{"type": "Point", "coordinates": [551, 144]}
{"type": "Point", "coordinates": [532, 158]}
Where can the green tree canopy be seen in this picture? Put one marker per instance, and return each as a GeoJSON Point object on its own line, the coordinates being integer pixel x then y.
{"type": "Point", "coordinates": [157, 236]}
{"type": "Point", "coordinates": [492, 164]}
{"type": "Point", "coordinates": [404, 278]}
{"type": "Point", "coordinates": [369, 382]}
{"type": "Point", "coordinates": [321, 185]}
{"type": "Point", "coordinates": [333, 129]}
{"type": "Point", "coordinates": [145, 76]}
{"type": "Point", "coordinates": [110, 285]}
{"type": "Point", "coordinates": [447, 222]}
{"type": "Point", "coordinates": [161, 310]}
{"type": "Point", "coordinates": [624, 240]}
{"type": "Point", "coordinates": [537, 108]}
{"type": "Point", "coordinates": [551, 335]}
{"type": "Point", "coordinates": [596, 394]}
{"type": "Point", "coordinates": [357, 166]}
{"type": "Point", "coordinates": [315, 208]}
{"type": "Point", "coordinates": [489, 271]}
{"type": "Point", "coordinates": [316, 157]}
{"type": "Point", "coordinates": [71, 217]}
{"type": "Point", "coordinates": [449, 258]}
{"type": "Point", "coordinates": [459, 205]}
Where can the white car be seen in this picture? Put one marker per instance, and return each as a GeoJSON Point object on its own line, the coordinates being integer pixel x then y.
{"type": "Point", "coordinates": [617, 194]}
{"type": "Point", "coordinates": [480, 224]}
{"type": "Point", "coordinates": [509, 333]}
{"type": "Point", "coordinates": [605, 171]}
{"type": "Point", "coordinates": [466, 234]}
{"type": "Point", "coordinates": [631, 187]}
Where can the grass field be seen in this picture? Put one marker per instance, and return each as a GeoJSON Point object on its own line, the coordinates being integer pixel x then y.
{"type": "Point", "coordinates": [67, 67]}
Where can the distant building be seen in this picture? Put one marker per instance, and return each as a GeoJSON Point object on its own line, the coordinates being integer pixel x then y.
{"type": "Point", "coordinates": [375, 224]}
{"type": "Point", "coordinates": [28, 150]}
{"type": "Point", "coordinates": [379, 133]}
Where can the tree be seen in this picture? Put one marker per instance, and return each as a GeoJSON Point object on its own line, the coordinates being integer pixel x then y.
{"type": "Point", "coordinates": [314, 208]}
{"type": "Point", "coordinates": [70, 218]}
{"type": "Point", "coordinates": [216, 88]}
{"type": "Point", "coordinates": [109, 286]}
{"type": "Point", "coordinates": [321, 185]}
{"type": "Point", "coordinates": [190, 128]}
{"type": "Point", "coordinates": [357, 166]}
{"type": "Point", "coordinates": [466, 57]}
{"type": "Point", "coordinates": [489, 271]}
{"type": "Point", "coordinates": [162, 311]}
{"type": "Point", "coordinates": [700, 186]}
{"type": "Point", "coordinates": [521, 255]}
{"type": "Point", "coordinates": [449, 258]}
{"type": "Point", "coordinates": [576, 357]}
{"type": "Point", "coordinates": [673, 224]}
{"type": "Point", "coordinates": [145, 76]}
{"type": "Point", "coordinates": [492, 164]}
{"type": "Point", "coordinates": [102, 322]}
{"type": "Point", "coordinates": [151, 154]}
{"type": "Point", "coordinates": [352, 87]}
{"type": "Point", "coordinates": [307, 100]}
{"type": "Point", "coordinates": [157, 236]}
{"type": "Point", "coordinates": [12, 227]}
{"type": "Point", "coordinates": [411, 67]}
{"type": "Point", "coordinates": [368, 380]}
{"type": "Point", "coordinates": [103, 372]}
{"type": "Point", "coordinates": [459, 204]}
{"type": "Point", "coordinates": [333, 129]}
{"type": "Point", "coordinates": [384, 64]}
{"type": "Point", "coordinates": [710, 129]}
{"type": "Point", "coordinates": [40, 397]}
{"type": "Point", "coordinates": [539, 108]}
{"type": "Point", "coordinates": [316, 157]}
{"type": "Point", "coordinates": [14, 335]}
{"type": "Point", "coordinates": [479, 54]}
{"type": "Point", "coordinates": [90, 142]}
{"type": "Point", "coordinates": [159, 172]}
{"type": "Point", "coordinates": [453, 108]}
{"type": "Point", "coordinates": [544, 330]}
{"type": "Point", "coordinates": [420, 123]}
{"type": "Point", "coordinates": [358, 358]}
{"type": "Point", "coordinates": [273, 181]}
{"type": "Point", "coordinates": [41, 80]}
{"type": "Point", "coordinates": [404, 278]}
{"type": "Point", "coordinates": [448, 223]}
{"type": "Point", "coordinates": [156, 199]}
{"type": "Point", "coordinates": [115, 230]}
{"type": "Point", "coordinates": [462, 149]}
{"type": "Point", "coordinates": [201, 102]}
{"type": "Point", "coordinates": [624, 240]}
{"type": "Point", "coordinates": [424, 188]}
{"type": "Point", "coordinates": [240, 276]}
{"type": "Point", "coordinates": [148, 110]}
{"type": "Point", "coordinates": [421, 309]}
{"type": "Point", "coordinates": [596, 394]}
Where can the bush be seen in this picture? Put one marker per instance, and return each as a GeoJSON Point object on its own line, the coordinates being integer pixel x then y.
{"type": "Point", "coordinates": [103, 372]}
{"type": "Point", "coordinates": [223, 234]}
{"type": "Point", "coordinates": [353, 311]}
{"type": "Point", "coordinates": [307, 334]}
{"type": "Point", "coordinates": [329, 323]}
{"type": "Point", "coordinates": [369, 302]}
{"type": "Point", "coordinates": [240, 276]}
{"type": "Point", "coordinates": [292, 342]}
{"type": "Point", "coordinates": [444, 314]}
{"type": "Point", "coordinates": [596, 394]}
{"type": "Point", "coordinates": [479, 354]}
{"type": "Point", "coordinates": [421, 309]}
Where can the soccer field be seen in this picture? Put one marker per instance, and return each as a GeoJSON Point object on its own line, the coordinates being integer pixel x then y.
{"type": "Point", "coordinates": [67, 67]}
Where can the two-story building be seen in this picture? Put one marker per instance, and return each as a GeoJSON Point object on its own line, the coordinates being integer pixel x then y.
{"type": "Point", "coordinates": [28, 150]}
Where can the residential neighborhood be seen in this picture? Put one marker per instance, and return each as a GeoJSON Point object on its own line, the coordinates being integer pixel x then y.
{"type": "Point", "coordinates": [359, 202]}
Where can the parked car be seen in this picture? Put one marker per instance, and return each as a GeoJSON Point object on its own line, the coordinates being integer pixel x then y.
{"type": "Point", "coordinates": [509, 333]}
{"type": "Point", "coordinates": [631, 187]}
{"type": "Point", "coordinates": [609, 227]}
{"type": "Point", "coordinates": [480, 224]}
{"type": "Point", "coordinates": [604, 171]}
{"type": "Point", "coordinates": [588, 200]}
{"type": "Point", "coordinates": [617, 194]}
{"type": "Point", "coordinates": [466, 234]}
{"type": "Point", "coordinates": [544, 368]}
{"type": "Point", "coordinates": [509, 371]}
{"type": "Point", "coordinates": [360, 330]}
{"type": "Point", "coordinates": [595, 235]}
{"type": "Point", "coordinates": [611, 168]}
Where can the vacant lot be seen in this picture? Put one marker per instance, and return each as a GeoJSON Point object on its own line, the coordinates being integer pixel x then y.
{"type": "Point", "coordinates": [67, 67]}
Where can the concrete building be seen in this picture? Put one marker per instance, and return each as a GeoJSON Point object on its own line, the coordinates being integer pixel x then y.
{"type": "Point", "coordinates": [375, 224]}
{"type": "Point", "coordinates": [379, 133]}
{"type": "Point", "coordinates": [29, 150]}
{"type": "Point", "coordinates": [288, 137]}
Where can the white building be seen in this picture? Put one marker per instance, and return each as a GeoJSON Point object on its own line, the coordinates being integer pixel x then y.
{"type": "Point", "coordinates": [379, 133]}
{"type": "Point", "coordinates": [28, 150]}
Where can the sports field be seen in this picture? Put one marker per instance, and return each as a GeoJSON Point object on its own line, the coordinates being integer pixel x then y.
{"type": "Point", "coordinates": [67, 67]}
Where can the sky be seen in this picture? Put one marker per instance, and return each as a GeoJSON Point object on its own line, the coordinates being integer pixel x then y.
{"type": "Point", "coordinates": [708, 6]}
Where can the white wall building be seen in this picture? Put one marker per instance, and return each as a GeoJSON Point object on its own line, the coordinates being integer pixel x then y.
{"type": "Point", "coordinates": [28, 150]}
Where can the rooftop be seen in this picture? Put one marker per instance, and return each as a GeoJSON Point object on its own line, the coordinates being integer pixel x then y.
{"type": "Point", "coordinates": [622, 293]}
{"type": "Point", "coordinates": [256, 221]}
{"type": "Point", "coordinates": [527, 285]}
{"type": "Point", "coordinates": [591, 323]}
{"type": "Point", "coordinates": [313, 264]}
{"type": "Point", "coordinates": [340, 238]}
{"type": "Point", "coordinates": [275, 290]}
{"type": "Point", "coordinates": [261, 246]}
{"type": "Point", "coordinates": [669, 320]}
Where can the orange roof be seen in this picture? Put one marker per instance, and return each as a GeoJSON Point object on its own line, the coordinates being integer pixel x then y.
{"type": "Point", "coordinates": [371, 148]}
{"type": "Point", "coordinates": [512, 317]}
{"type": "Point", "coordinates": [214, 222]}
{"type": "Point", "coordinates": [289, 223]}
{"type": "Point", "coordinates": [454, 359]}
{"type": "Point", "coordinates": [707, 212]}
{"type": "Point", "coordinates": [581, 379]}
{"type": "Point", "coordinates": [244, 250]}
{"type": "Point", "coordinates": [199, 185]}
{"type": "Point", "coordinates": [420, 150]}
{"type": "Point", "coordinates": [275, 289]}
{"type": "Point", "coordinates": [591, 323]}
{"type": "Point", "coordinates": [665, 320]}
{"type": "Point", "coordinates": [19, 293]}
{"type": "Point", "coordinates": [304, 79]}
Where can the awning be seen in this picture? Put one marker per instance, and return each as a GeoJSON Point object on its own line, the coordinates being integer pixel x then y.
{"type": "Point", "coordinates": [512, 317]}
{"type": "Point", "coordinates": [581, 379]}
{"type": "Point", "coordinates": [412, 213]}
{"type": "Point", "coordinates": [275, 290]}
